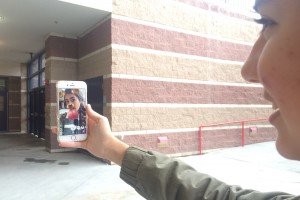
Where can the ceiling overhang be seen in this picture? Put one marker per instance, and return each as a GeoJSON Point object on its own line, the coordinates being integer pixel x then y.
{"type": "Point", "coordinates": [24, 25]}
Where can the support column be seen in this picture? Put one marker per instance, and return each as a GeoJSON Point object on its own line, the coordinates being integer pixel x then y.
{"type": "Point", "coordinates": [61, 64]}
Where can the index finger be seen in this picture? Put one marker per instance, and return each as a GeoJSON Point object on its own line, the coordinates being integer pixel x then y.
{"type": "Point", "coordinates": [54, 130]}
{"type": "Point", "coordinates": [72, 144]}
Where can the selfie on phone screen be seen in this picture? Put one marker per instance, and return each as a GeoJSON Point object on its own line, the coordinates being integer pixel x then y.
{"type": "Point", "coordinates": [71, 112]}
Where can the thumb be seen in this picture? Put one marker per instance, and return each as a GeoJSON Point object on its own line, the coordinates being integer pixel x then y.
{"type": "Point", "coordinates": [92, 114]}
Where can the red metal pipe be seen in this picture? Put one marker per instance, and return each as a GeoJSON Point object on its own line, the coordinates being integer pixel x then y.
{"type": "Point", "coordinates": [243, 133]}
{"type": "Point", "coordinates": [234, 122]}
{"type": "Point", "coordinates": [200, 140]}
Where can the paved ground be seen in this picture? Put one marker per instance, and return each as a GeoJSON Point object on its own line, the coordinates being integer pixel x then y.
{"type": "Point", "coordinates": [28, 172]}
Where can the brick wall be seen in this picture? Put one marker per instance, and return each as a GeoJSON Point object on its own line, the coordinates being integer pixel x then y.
{"type": "Point", "coordinates": [168, 67]}
{"type": "Point", "coordinates": [61, 54]}
{"type": "Point", "coordinates": [175, 66]}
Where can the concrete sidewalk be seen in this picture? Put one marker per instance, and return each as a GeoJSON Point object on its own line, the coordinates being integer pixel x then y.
{"type": "Point", "coordinates": [28, 172]}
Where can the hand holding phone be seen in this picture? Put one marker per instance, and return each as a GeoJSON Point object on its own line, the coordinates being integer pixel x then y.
{"type": "Point", "coordinates": [100, 142]}
{"type": "Point", "coordinates": [71, 111]}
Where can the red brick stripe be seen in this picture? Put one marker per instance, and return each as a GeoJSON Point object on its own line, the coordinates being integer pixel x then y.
{"type": "Point", "coordinates": [138, 35]}
{"type": "Point", "coordinates": [61, 47]}
{"type": "Point", "coordinates": [143, 91]}
{"type": "Point", "coordinates": [96, 39]}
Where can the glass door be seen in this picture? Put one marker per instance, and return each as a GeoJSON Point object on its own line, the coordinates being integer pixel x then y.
{"type": "Point", "coordinates": [31, 112]}
{"type": "Point", "coordinates": [37, 112]}
{"type": "Point", "coordinates": [41, 113]}
{"type": "Point", "coordinates": [36, 96]}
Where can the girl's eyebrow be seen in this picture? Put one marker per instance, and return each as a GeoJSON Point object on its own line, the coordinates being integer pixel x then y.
{"type": "Point", "coordinates": [258, 3]}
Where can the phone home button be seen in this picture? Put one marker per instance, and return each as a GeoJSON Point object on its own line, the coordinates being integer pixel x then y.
{"type": "Point", "coordinates": [73, 137]}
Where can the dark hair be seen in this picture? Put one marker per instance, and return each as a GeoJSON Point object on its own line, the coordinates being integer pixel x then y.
{"type": "Point", "coordinates": [76, 92]}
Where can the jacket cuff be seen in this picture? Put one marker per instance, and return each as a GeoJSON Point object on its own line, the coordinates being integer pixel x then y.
{"type": "Point", "coordinates": [132, 160]}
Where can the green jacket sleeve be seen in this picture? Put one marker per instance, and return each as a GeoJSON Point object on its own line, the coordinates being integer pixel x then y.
{"type": "Point", "coordinates": [158, 177]}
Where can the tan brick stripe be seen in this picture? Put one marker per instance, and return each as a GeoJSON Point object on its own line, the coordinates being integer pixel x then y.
{"type": "Point", "coordinates": [259, 125]}
{"type": "Point", "coordinates": [143, 62]}
{"type": "Point", "coordinates": [156, 118]}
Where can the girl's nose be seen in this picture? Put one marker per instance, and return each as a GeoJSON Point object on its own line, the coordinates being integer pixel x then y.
{"type": "Point", "coordinates": [249, 69]}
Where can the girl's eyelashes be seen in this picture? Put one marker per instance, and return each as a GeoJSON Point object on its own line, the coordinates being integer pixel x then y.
{"type": "Point", "coordinates": [265, 22]}
{"type": "Point", "coordinates": [73, 99]}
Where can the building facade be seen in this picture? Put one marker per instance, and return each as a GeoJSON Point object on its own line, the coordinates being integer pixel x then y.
{"type": "Point", "coordinates": [158, 70]}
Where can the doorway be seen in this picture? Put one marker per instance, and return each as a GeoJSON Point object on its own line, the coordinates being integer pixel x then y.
{"type": "Point", "coordinates": [95, 93]}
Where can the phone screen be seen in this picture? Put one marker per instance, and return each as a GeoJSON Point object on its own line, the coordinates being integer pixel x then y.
{"type": "Point", "coordinates": [71, 111]}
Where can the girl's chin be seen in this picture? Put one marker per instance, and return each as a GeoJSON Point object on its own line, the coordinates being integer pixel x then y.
{"type": "Point", "coordinates": [286, 150]}
{"type": "Point", "coordinates": [282, 149]}
{"type": "Point", "coordinates": [287, 142]}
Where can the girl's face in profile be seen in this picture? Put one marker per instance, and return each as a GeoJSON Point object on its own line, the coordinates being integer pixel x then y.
{"type": "Point", "coordinates": [275, 63]}
{"type": "Point", "coordinates": [72, 102]}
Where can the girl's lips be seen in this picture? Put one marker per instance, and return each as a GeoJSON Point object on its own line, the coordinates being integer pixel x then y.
{"type": "Point", "coordinates": [273, 116]}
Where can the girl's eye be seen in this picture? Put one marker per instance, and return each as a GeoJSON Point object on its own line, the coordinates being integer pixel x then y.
{"type": "Point", "coordinates": [73, 99]}
{"type": "Point", "coordinates": [265, 22]}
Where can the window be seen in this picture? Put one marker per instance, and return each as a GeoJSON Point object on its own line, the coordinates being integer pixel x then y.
{"type": "Point", "coordinates": [36, 72]}
{"type": "Point", "coordinates": [42, 78]}
{"type": "Point", "coordinates": [34, 82]}
{"type": "Point", "coordinates": [43, 61]}
{"type": "Point", "coordinates": [2, 85]}
{"type": "Point", "coordinates": [34, 67]}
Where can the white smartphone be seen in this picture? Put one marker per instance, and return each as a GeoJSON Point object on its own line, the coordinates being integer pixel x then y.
{"type": "Point", "coordinates": [71, 114]}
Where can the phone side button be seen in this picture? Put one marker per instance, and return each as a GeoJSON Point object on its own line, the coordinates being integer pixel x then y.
{"type": "Point", "coordinates": [73, 137]}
